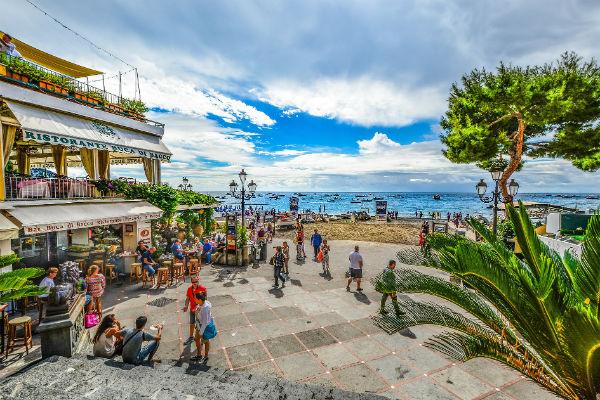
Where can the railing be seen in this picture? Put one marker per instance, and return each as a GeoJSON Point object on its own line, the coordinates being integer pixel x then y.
{"type": "Point", "coordinates": [49, 81]}
{"type": "Point", "coordinates": [24, 188]}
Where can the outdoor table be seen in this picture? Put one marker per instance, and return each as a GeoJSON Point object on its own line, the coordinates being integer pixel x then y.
{"type": "Point", "coordinates": [34, 188]}
{"type": "Point", "coordinates": [2, 333]}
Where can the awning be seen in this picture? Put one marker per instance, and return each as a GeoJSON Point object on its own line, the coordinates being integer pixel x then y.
{"type": "Point", "coordinates": [49, 61]}
{"type": "Point", "coordinates": [8, 230]}
{"type": "Point", "coordinates": [44, 126]}
{"type": "Point", "coordinates": [43, 218]}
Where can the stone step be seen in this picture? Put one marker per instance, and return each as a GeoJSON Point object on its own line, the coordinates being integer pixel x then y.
{"type": "Point", "coordinates": [87, 377]}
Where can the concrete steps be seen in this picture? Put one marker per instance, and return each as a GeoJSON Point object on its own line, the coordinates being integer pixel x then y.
{"type": "Point", "coordinates": [86, 377]}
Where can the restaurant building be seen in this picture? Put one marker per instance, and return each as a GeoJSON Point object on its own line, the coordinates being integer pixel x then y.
{"type": "Point", "coordinates": [50, 121]}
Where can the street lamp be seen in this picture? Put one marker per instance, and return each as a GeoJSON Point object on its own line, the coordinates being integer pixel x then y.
{"type": "Point", "coordinates": [496, 195]}
{"type": "Point", "coordinates": [185, 185]}
{"type": "Point", "coordinates": [242, 195]}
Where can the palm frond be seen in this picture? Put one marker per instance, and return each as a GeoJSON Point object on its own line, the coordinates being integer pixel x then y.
{"type": "Point", "coordinates": [30, 290]}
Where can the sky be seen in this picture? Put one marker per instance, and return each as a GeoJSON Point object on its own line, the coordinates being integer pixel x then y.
{"type": "Point", "coordinates": [312, 95]}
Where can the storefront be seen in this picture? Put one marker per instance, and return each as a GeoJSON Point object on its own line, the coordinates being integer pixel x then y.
{"type": "Point", "coordinates": [52, 233]}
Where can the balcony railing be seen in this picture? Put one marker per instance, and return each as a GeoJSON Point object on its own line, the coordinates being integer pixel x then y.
{"type": "Point", "coordinates": [25, 188]}
{"type": "Point", "coordinates": [33, 76]}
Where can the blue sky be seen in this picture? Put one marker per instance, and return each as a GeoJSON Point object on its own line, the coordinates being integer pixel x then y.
{"type": "Point", "coordinates": [340, 95]}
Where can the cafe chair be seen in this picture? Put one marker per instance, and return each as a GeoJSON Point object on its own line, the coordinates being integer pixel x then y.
{"type": "Point", "coordinates": [146, 278]}
{"type": "Point", "coordinates": [110, 269]}
{"type": "Point", "coordinates": [194, 266]}
{"type": "Point", "coordinates": [27, 338]}
{"type": "Point", "coordinates": [178, 272]}
{"type": "Point", "coordinates": [162, 276]}
{"type": "Point", "coordinates": [135, 273]}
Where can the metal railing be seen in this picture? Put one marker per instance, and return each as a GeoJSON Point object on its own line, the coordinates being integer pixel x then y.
{"type": "Point", "coordinates": [73, 90]}
{"type": "Point", "coordinates": [26, 188]}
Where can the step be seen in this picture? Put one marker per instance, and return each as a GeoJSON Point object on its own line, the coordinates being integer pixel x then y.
{"type": "Point", "coordinates": [87, 377]}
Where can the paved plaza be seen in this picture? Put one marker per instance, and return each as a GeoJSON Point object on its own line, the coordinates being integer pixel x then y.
{"type": "Point", "coordinates": [315, 331]}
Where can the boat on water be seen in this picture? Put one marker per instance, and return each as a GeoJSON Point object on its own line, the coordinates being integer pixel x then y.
{"type": "Point", "coordinates": [356, 202]}
{"type": "Point", "coordinates": [592, 197]}
{"type": "Point", "coordinates": [437, 197]}
{"type": "Point", "coordinates": [377, 198]}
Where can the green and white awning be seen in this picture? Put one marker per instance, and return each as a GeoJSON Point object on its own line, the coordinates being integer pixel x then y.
{"type": "Point", "coordinates": [55, 128]}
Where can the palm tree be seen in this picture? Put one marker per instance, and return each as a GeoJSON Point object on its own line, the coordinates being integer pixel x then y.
{"type": "Point", "coordinates": [16, 284]}
{"type": "Point", "coordinates": [538, 315]}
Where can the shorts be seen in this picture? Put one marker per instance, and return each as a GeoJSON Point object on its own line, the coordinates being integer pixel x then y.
{"type": "Point", "coordinates": [192, 317]}
{"type": "Point", "coordinates": [356, 272]}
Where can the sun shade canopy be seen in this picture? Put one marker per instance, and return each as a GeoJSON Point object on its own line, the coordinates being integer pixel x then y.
{"type": "Point", "coordinates": [50, 127]}
{"type": "Point", "coordinates": [52, 62]}
{"type": "Point", "coordinates": [43, 218]}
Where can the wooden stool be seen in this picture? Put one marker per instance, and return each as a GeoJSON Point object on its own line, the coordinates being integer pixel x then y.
{"type": "Point", "coordinates": [82, 263]}
{"type": "Point", "coordinates": [110, 269]}
{"type": "Point", "coordinates": [146, 278]}
{"type": "Point", "coordinates": [29, 302]}
{"type": "Point", "coordinates": [162, 276]}
{"type": "Point", "coordinates": [135, 273]}
{"type": "Point", "coordinates": [99, 263]}
{"type": "Point", "coordinates": [194, 266]}
{"type": "Point", "coordinates": [178, 272]}
{"type": "Point", "coordinates": [27, 339]}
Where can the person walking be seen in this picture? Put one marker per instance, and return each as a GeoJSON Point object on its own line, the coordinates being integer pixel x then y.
{"type": "Point", "coordinates": [190, 300]}
{"type": "Point", "coordinates": [325, 261]}
{"type": "Point", "coordinates": [278, 263]}
{"type": "Point", "coordinates": [389, 278]}
{"type": "Point", "coordinates": [286, 254]}
{"type": "Point", "coordinates": [356, 269]}
{"type": "Point", "coordinates": [95, 284]}
{"type": "Point", "coordinates": [316, 241]}
{"type": "Point", "coordinates": [205, 327]}
{"type": "Point", "coordinates": [299, 246]}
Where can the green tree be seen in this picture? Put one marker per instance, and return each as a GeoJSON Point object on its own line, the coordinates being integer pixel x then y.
{"type": "Point", "coordinates": [539, 315]}
{"type": "Point", "coordinates": [16, 284]}
{"type": "Point", "coordinates": [550, 110]}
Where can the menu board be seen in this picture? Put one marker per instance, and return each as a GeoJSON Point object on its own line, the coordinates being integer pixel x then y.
{"type": "Point", "coordinates": [231, 233]}
{"type": "Point", "coordinates": [381, 210]}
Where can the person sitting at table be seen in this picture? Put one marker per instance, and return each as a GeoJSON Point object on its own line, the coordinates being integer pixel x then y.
{"type": "Point", "coordinates": [207, 249]}
{"type": "Point", "coordinates": [197, 246]}
{"type": "Point", "coordinates": [140, 249]}
{"type": "Point", "coordinates": [147, 262]}
{"type": "Point", "coordinates": [113, 257]}
{"type": "Point", "coordinates": [177, 249]}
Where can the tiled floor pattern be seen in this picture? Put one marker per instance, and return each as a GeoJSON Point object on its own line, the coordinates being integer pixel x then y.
{"type": "Point", "coordinates": [315, 331]}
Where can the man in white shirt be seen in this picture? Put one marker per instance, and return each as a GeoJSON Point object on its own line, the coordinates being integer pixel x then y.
{"type": "Point", "coordinates": [47, 283]}
{"type": "Point", "coordinates": [356, 264]}
{"type": "Point", "coordinates": [8, 47]}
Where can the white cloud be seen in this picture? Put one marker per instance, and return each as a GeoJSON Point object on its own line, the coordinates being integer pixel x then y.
{"type": "Point", "coordinates": [361, 101]}
{"type": "Point", "coordinates": [420, 180]}
{"type": "Point", "coordinates": [283, 153]}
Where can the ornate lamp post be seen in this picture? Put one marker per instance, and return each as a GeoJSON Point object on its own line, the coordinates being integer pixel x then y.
{"type": "Point", "coordinates": [185, 185]}
{"type": "Point", "coordinates": [242, 195]}
{"type": "Point", "coordinates": [496, 195]}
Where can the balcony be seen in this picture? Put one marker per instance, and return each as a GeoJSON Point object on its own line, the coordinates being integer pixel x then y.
{"type": "Point", "coordinates": [23, 73]}
{"type": "Point", "coordinates": [56, 187]}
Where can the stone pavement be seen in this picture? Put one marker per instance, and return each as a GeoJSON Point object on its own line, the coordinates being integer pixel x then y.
{"type": "Point", "coordinates": [314, 331]}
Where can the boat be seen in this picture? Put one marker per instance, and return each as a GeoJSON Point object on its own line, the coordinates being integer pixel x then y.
{"type": "Point", "coordinates": [377, 198]}
{"type": "Point", "coordinates": [356, 202]}
{"type": "Point", "coordinates": [593, 197]}
{"type": "Point", "coordinates": [437, 197]}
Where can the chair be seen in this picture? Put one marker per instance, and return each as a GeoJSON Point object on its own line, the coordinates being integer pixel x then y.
{"type": "Point", "coordinates": [135, 272]}
{"type": "Point", "coordinates": [146, 278]}
{"type": "Point", "coordinates": [178, 272]}
{"type": "Point", "coordinates": [162, 276]}
{"type": "Point", "coordinates": [193, 264]}
{"type": "Point", "coordinates": [27, 339]}
{"type": "Point", "coordinates": [109, 272]}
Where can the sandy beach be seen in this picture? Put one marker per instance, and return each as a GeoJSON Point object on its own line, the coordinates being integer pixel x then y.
{"type": "Point", "coordinates": [397, 232]}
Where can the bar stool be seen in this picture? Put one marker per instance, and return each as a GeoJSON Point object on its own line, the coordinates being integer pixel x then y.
{"type": "Point", "coordinates": [162, 276]}
{"type": "Point", "coordinates": [27, 339]}
{"type": "Point", "coordinates": [135, 273]}
{"type": "Point", "coordinates": [178, 272]}
{"type": "Point", "coordinates": [146, 278]}
{"type": "Point", "coordinates": [194, 266]}
{"type": "Point", "coordinates": [110, 269]}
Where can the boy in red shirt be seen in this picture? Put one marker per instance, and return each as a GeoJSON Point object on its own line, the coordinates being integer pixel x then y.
{"type": "Point", "coordinates": [190, 301]}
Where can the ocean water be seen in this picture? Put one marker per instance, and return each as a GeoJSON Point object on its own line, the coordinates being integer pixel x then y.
{"type": "Point", "coordinates": [406, 203]}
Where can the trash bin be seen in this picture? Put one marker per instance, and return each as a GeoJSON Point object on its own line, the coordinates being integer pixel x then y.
{"type": "Point", "coordinates": [263, 251]}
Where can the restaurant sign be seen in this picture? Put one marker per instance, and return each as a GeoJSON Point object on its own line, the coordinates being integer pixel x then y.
{"type": "Point", "coordinates": [92, 144]}
{"type": "Point", "coordinates": [90, 223]}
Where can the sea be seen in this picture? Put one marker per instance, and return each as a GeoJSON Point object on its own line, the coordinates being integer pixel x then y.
{"type": "Point", "coordinates": [407, 204]}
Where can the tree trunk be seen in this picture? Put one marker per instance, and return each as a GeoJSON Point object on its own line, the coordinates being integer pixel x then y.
{"type": "Point", "coordinates": [515, 159]}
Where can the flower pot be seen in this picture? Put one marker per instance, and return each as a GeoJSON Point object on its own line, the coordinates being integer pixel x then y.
{"type": "Point", "coordinates": [81, 96]}
{"type": "Point", "coordinates": [61, 90]}
{"type": "Point", "coordinates": [46, 85]}
{"type": "Point", "coordinates": [18, 77]}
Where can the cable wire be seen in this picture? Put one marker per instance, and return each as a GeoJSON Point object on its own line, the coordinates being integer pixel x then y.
{"type": "Point", "coordinates": [77, 34]}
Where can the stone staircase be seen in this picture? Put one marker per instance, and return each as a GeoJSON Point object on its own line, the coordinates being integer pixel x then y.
{"type": "Point", "coordinates": [87, 377]}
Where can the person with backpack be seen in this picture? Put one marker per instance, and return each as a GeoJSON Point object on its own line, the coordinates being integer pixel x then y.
{"type": "Point", "coordinates": [316, 241]}
{"type": "Point", "coordinates": [133, 352]}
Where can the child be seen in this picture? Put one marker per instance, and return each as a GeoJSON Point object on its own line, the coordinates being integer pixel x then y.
{"type": "Point", "coordinates": [299, 246]}
{"type": "Point", "coordinates": [205, 327]}
{"type": "Point", "coordinates": [286, 254]}
{"type": "Point", "coordinates": [325, 250]}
